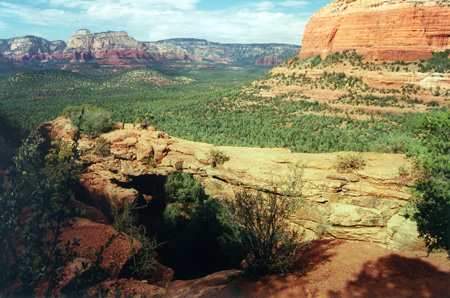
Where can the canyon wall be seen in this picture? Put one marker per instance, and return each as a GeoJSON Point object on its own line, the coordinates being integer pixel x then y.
{"type": "Point", "coordinates": [381, 30]}
{"type": "Point", "coordinates": [83, 40]}
{"type": "Point", "coordinates": [362, 205]}
{"type": "Point", "coordinates": [117, 48]}
{"type": "Point", "coordinates": [30, 47]}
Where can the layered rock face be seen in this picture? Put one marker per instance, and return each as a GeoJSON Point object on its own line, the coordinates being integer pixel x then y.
{"type": "Point", "coordinates": [83, 40]}
{"type": "Point", "coordinates": [268, 61]}
{"type": "Point", "coordinates": [109, 46]}
{"type": "Point", "coordinates": [30, 47]}
{"type": "Point", "coordinates": [119, 49]}
{"type": "Point", "coordinates": [260, 54]}
{"type": "Point", "coordinates": [381, 30]}
{"type": "Point", "coordinates": [360, 206]}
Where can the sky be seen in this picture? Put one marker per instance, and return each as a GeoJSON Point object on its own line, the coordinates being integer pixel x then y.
{"type": "Point", "coordinates": [224, 21]}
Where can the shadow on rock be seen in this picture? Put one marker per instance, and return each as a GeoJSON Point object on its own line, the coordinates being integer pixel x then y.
{"type": "Point", "coordinates": [317, 254]}
{"type": "Point", "coordinates": [397, 276]}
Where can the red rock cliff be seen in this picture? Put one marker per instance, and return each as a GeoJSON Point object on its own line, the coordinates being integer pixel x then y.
{"type": "Point", "coordinates": [381, 30]}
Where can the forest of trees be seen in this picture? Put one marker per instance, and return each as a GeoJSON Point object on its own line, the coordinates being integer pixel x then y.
{"type": "Point", "coordinates": [206, 106]}
{"type": "Point", "coordinates": [214, 106]}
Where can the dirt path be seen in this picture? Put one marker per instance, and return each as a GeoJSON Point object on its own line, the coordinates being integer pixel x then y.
{"type": "Point", "coordinates": [336, 268]}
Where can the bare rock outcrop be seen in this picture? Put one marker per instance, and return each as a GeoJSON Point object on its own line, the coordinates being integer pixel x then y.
{"type": "Point", "coordinates": [381, 30]}
{"type": "Point", "coordinates": [353, 206]}
{"type": "Point", "coordinates": [93, 239]}
{"type": "Point", "coordinates": [118, 247]}
{"type": "Point", "coordinates": [118, 49]}
{"type": "Point", "coordinates": [30, 48]}
{"type": "Point", "coordinates": [209, 286]}
{"type": "Point", "coordinates": [403, 235]}
{"type": "Point", "coordinates": [127, 288]}
{"type": "Point", "coordinates": [268, 61]}
{"type": "Point", "coordinates": [83, 40]}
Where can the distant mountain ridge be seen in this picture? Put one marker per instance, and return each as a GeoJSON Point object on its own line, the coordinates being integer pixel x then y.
{"type": "Point", "coordinates": [117, 48]}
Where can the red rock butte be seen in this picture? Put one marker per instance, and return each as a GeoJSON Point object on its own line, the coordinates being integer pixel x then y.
{"type": "Point", "coordinates": [380, 30]}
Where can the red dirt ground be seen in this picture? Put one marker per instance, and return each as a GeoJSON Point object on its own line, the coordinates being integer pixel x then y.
{"type": "Point", "coordinates": [334, 268]}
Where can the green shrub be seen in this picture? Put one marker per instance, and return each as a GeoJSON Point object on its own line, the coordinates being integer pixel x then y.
{"type": "Point", "coordinates": [101, 147]}
{"type": "Point", "coordinates": [260, 224]}
{"type": "Point", "coordinates": [183, 188]}
{"type": "Point", "coordinates": [34, 212]}
{"type": "Point", "coordinates": [440, 62]}
{"type": "Point", "coordinates": [432, 103]}
{"type": "Point", "coordinates": [321, 229]}
{"type": "Point", "coordinates": [216, 157]}
{"type": "Point", "coordinates": [350, 162]}
{"type": "Point", "coordinates": [193, 231]}
{"type": "Point", "coordinates": [409, 209]}
{"type": "Point", "coordinates": [405, 176]}
{"type": "Point", "coordinates": [431, 209]}
{"type": "Point", "coordinates": [143, 262]}
{"type": "Point", "coordinates": [150, 161]}
{"type": "Point", "coordinates": [144, 119]}
{"type": "Point", "coordinates": [316, 60]}
{"type": "Point", "coordinates": [392, 143]}
{"type": "Point", "coordinates": [89, 120]}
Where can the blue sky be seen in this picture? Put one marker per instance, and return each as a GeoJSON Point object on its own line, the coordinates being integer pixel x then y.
{"type": "Point", "coordinates": [225, 21]}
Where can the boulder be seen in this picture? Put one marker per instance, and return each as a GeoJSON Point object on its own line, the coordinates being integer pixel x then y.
{"type": "Point", "coordinates": [354, 216]}
{"type": "Point", "coordinates": [402, 235]}
{"type": "Point", "coordinates": [126, 288]}
{"type": "Point", "coordinates": [208, 286]}
{"type": "Point", "coordinates": [436, 80]}
{"type": "Point", "coordinates": [117, 249]}
{"type": "Point", "coordinates": [162, 275]}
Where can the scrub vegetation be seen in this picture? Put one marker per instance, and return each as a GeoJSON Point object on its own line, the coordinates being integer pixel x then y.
{"type": "Point", "coordinates": [219, 107]}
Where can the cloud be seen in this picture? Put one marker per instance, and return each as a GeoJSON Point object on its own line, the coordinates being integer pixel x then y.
{"type": "Point", "coordinates": [4, 26]}
{"type": "Point", "coordinates": [127, 4]}
{"type": "Point", "coordinates": [33, 16]}
{"type": "Point", "coordinates": [261, 6]}
{"type": "Point", "coordinates": [151, 20]}
{"type": "Point", "coordinates": [69, 4]}
{"type": "Point", "coordinates": [295, 4]}
{"type": "Point", "coordinates": [244, 26]}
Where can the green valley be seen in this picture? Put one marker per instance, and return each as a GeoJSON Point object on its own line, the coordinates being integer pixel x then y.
{"type": "Point", "coordinates": [224, 107]}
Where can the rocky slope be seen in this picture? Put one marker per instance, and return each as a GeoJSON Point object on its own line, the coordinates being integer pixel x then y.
{"type": "Point", "coordinates": [118, 49]}
{"type": "Point", "coordinates": [386, 88]}
{"type": "Point", "coordinates": [381, 30]}
{"type": "Point", "coordinates": [29, 47]}
{"type": "Point", "coordinates": [198, 49]}
{"type": "Point", "coordinates": [362, 205]}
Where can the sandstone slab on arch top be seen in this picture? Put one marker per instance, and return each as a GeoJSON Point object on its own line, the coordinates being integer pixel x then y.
{"type": "Point", "coordinates": [381, 30]}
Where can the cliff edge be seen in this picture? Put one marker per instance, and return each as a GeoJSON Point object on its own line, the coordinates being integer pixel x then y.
{"type": "Point", "coordinates": [380, 30]}
{"type": "Point", "coordinates": [361, 205]}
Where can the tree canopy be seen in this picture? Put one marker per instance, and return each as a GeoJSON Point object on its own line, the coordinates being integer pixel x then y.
{"type": "Point", "coordinates": [432, 188]}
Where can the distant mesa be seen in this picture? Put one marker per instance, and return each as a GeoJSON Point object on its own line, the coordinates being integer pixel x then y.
{"type": "Point", "coordinates": [380, 30]}
{"type": "Point", "coordinates": [82, 32]}
{"type": "Point", "coordinates": [118, 49]}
